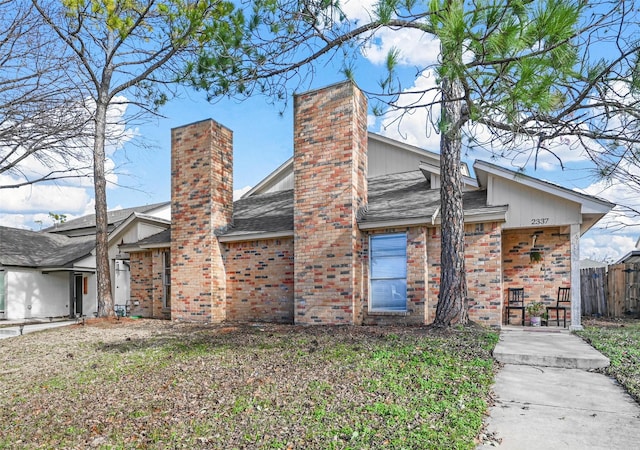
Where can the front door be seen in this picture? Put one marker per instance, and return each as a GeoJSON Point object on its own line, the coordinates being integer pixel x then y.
{"type": "Point", "coordinates": [78, 295]}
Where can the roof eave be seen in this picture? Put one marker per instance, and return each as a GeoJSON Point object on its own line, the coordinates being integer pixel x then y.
{"type": "Point", "coordinates": [471, 216]}
{"type": "Point", "coordinates": [256, 236]}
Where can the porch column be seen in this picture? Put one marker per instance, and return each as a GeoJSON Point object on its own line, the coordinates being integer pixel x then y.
{"type": "Point", "coordinates": [576, 304]}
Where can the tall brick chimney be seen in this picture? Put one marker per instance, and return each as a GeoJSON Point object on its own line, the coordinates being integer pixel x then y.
{"type": "Point", "coordinates": [201, 203]}
{"type": "Point", "coordinates": [330, 168]}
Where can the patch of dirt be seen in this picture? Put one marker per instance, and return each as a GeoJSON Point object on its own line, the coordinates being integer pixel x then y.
{"type": "Point", "coordinates": [139, 383]}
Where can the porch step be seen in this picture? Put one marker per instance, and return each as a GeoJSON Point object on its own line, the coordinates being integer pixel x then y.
{"type": "Point", "coordinates": [547, 348]}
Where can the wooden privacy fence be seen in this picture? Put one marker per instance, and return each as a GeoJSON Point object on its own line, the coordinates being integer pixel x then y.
{"type": "Point", "coordinates": [593, 291]}
{"type": "Point", "coordinates": [612, 291]}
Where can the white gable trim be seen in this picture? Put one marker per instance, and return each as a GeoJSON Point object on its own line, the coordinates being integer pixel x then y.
{"type": "Point", "coordinates": [287, 166]}
{"type": "Point", "coordinates": [589, 204]}
{"type": "Point", "coordinates": [432, 169]}
{"type": "Point", "coordinates": [138, 217]}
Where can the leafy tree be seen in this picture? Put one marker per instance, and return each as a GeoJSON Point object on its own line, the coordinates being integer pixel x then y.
{"type": "Point", "coordinates": [132, 51]}
{"type": "Point", "coordinates": [515, 76]}
{"type": "Point", "coordinates": [57, 218]}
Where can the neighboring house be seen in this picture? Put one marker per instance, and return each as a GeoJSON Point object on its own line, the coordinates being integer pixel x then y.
{"type": "Point", "coordinates": [348, 230]}
{"type": "Point", "coordinates": [52, 273]}
{"type": "Point", "coordinates": [123, 225]}
{"type": "Point", "coordinates": [591, 264]}
{"type": "Point", "coordinates": [86, 225]}
{"type": "Point", "coordinates": [45, 275]}
{"type": "Point", "coordinates": [633, 257]}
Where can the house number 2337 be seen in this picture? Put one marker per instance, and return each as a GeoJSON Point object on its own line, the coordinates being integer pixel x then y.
{"type": "Point", "coordinates": [540, 221]}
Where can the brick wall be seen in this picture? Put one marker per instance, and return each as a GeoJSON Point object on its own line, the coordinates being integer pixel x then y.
{"type": "Point", "coordinates": [260, 280]}
{"type": "Point", "coordinates": [201, 203]}
{"type": "Point", "coordinates": [147, 285]}
{"type": "Point", "coordinates": [540, 279]}
{"type": "Point", "coordinates": [483, 265]}
{"type": "Point", "coordinates": [330, 166]}
{"type": "Point", "coordinates": [141, 284]}
{"type": "Point", "coordinates": [158, 309]}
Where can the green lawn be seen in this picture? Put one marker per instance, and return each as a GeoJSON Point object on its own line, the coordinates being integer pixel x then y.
{"type": "Point", "coordinates": [620, 342]}
{"type": "Point", "coordinates": [182, 386]}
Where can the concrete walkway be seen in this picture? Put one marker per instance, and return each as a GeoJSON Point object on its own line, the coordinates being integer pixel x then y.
{"type": "Point", "coordinates": [547, 399]}
{"type": "Point", "coordinates": [12, 328]}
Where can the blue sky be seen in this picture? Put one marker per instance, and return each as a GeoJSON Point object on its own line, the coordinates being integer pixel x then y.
{"type": "Point", "coordinates": [263, 137]}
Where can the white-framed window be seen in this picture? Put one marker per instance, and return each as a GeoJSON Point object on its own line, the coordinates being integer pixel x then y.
{"type": "Point", "coordinates": [388, 272]}
{"type": "Point", "coordinates": [166, 279]}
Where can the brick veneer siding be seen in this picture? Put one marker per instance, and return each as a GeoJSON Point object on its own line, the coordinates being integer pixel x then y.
{"type": "Point", "coordinates": [483, 253]}
{"type": "Point", "coordinates": [159, 311]}
{"type": "Point", "coordinates": [416, 280]}
{"type": "Point", "coordinates": [147, 287]}
{"type": "Point", "coordinates": [201, 203]}
{"type": "Point", "coordinates": [330, 186]}
{"type": "Point", "coordinates": [141, 283]}
{"type": "Point", "coordinates": [260, 280]}
{"type": "Point", "coordinates": [542, 279]}
{"type": "Point", "coordinates": [483, 264]}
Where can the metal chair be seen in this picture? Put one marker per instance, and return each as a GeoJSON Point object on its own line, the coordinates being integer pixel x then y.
{"type": "Point", "coordinates": [564, 297]}
{"type": "Point", "coordinates": [515, 300]}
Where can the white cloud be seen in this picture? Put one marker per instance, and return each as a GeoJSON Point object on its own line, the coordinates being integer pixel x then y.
{"type": "Point", "coordinates": [22, 207]}
{"type": "Point", "coordinates": [599, 245]}
{"type": "Point", "coordinates": [416, 48]}
{"type": "Point", "coordinates": [14, 220]}
{"type": "Point", "coordinates": [358, 10]}
{"type": "Point", "coordinates": [415, 126]}
{"type": "Point", "coordinates": [44, 197]}
{"type": "Point", "coordinates": [237, 193]}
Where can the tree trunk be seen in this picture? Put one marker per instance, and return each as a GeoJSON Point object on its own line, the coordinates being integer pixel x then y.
{"type": "Point", "coordinates": [452, 300]}
{"type": "Point", "coordinates": [105, 298]}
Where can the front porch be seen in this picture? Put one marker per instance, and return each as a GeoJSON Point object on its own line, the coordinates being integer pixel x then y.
{"type": "Point", "coordinates": [540, 261]}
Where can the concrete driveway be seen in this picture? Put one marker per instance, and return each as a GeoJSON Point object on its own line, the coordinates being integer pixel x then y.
{"type": "Point", "coordinates": [549, 397]}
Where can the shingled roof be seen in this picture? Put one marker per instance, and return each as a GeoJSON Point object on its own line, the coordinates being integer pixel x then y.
{"type": "Point", "coordinates": [114, 218]}
{"type": "Point", "coordinates": [26, 248]}
{"type": "Point", "coordinates": [396, 197]}
{"type": "Point", "coordinates": [265, 213]}
{"type": "Point", "coordinates": [158, 239]}
{"type": "Point", "coordinates": [405, 196]}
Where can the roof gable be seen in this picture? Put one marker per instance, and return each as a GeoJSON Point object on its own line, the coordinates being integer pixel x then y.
{"type": "Point", "coordinates": [137, 226]}
{"type": "Point", "coordinates": [533, 202]}
{"type": "Point", "coordinates": [85, 225]}
{"type": "Point", "coordinates": [589, 203]}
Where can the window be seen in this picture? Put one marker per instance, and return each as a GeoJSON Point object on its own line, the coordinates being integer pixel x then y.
{"type": "Point", "coordinates": [166, 279]}
{"type": "Point", "coordinates": [388, 272]}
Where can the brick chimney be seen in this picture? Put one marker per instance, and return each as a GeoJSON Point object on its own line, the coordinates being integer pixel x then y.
{"type": "Point", "coordinates": [201, 203]}
{"type": "Point", "coordinates": [330, 168]}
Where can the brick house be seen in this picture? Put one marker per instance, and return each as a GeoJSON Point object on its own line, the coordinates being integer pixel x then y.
{"type": "Point", "coordinates": [348, 230]}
